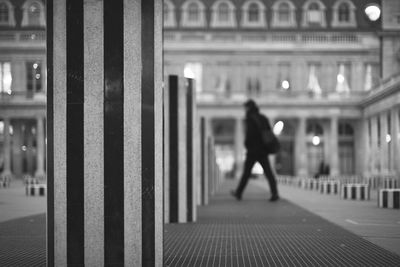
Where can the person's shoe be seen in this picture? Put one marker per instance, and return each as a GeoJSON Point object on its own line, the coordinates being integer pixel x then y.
{"type": "Point", "coordinates": [274, 198]}
{"type": "Point", "coordinates": [235, 195]}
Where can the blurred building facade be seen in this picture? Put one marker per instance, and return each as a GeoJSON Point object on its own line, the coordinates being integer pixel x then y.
{"type": "Point", "coordinates": [22, 87]}
{"type": "Point", "coordinates": [312, 64]}
{"type": "Point", "coordinates": [320, 66]}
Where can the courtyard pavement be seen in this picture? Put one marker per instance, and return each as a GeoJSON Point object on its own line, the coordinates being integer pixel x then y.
{"type": "Point", "coordinates": [304, 228]}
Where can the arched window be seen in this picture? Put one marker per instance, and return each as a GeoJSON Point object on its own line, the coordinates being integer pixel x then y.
{"type": "Point", "coordinates": [344, 12]}
{"type": "Point", "coordinates": [253, 12]}
{"type": "Point", "coordinates": [193, 14]}
{"type": "Point", "coordinates": [6, 13]}
{"type": "Point", "coordinates": [314, 14]}
{"type": "Point", "coordinates": [345, 130]}
{"type": "Point", "coordinates": [166, 12]}
{"type": "Point", "coordinates": [223, 14]}
{"type": "Point", "coordinates": [315, 128]}
{"type": "Point", "coordinates": [283, 14]}
{"type": "Point", "coordinates": [33, 14]}
{"type": "Point", "coordinates": [169, 14]}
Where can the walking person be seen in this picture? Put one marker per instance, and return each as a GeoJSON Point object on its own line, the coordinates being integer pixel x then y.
{"type": "Point", "coordinates": [256, 151]}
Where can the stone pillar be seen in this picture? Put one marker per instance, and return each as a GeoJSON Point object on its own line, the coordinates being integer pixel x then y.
{"type": "Point", "coordinates": [16, 148]}
{"type": "Point", "coordinates": [204, 161]}
{"type": "Point", "coordinates": [384, 155]}
{"type": "Point", "coordinates": [191, 159]}
{"type": "Point", "coordinates": [30, 152]}
{"type": "Point", "coordinates": [395, 142]}
{"type": "Point", "coordinates": [334, 151]}
{"type": "Point", "coordinates": [365, 153]}
{"type": "Point", "coordinates": [104, 106]}
{"type": "Point", "coordinates": [40, 149]}
{"type": "Point", "coordinates": [301, 148]}
{"type": "Point", "coordinates": [177, 95]}
{"type": "Point", "coordinates": [239, 147]}
{"type": "Point", "coordinates": [374, 145]}
{"type": "Point", "coordinates": [7, 148]}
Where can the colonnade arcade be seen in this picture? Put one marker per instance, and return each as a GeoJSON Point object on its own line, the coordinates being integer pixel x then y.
{"type": "Point", "coordinates": [306, 142]}
{"type": "Point", "coordinates": [23, 146]}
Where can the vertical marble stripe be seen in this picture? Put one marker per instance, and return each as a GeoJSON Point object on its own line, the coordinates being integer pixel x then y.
{"type": "Point", "coordinates": [158, 140]}
{"type": "Point", "coordinates": [60, 129]}
{"type": "Point", "coordinates": [93, 133]}
{"type": "Point", "coordinates": [173, 148]}
{"type": "Point", "coordinates": [113, 132]}
{"type": "Point", "coordinates": [203, 160]}
{"type": "Point", "coordinates": [167, 159]}
{"type": "Point", "coordinates": [50, 134]}
{"type": "Point", "coordinates": [74, 94]}
{"type": "Point", "coordinates": [132, 133]}
{"type": "Point", "coordinates": [148, 133]}
{"type": "Point", "coordinates": [182, 152]}
{"type": "Point", "coordinates": [189, 150]}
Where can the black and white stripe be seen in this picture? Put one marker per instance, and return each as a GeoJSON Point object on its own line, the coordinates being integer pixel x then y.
{"type": "Point", "coordinates": [389, 198]}
{"type": "Point", "coordinates": [355, 191]}
{"type": "Point", "coordinates": [104, 132]}
{"type": "Point", "coordinates": [179, 133]}
{"type": "Point", "coordinates": [204, 178]}
{"type": "Point", "coordinates": [329, 187]}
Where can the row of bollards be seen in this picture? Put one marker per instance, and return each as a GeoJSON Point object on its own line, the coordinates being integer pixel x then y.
{"type": "Point", "coordinates": [351, 187]}
{"type": "Point", "coordinates": [191, 173]}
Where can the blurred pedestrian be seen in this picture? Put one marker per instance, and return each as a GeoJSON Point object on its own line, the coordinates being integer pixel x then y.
{"type": "Point", "coordinates": [256, 151]}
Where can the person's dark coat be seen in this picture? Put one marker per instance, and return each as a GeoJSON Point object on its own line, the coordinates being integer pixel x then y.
{"type": "Point", "coordinates": [253, 140]}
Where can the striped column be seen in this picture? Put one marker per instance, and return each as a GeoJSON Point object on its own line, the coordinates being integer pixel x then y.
{"type": "Point", "coordinates": [178, 173]}
{"type": "Point", "coordinates": [374, 152]}
{"type": "Point", "coordinates": [389, 198]}
{"type": "Point", "coordinates": [40, 174]}
{"type": "Point", "coordinates": [7, 149]}
{"type": "Point", "coordinates": [104, 133]}
{"type": "Point", "coordinates": [301, 148]}
{"type": "Point", "coordinates": [355, 191]}
{"type": "Point", "coordinates": [191, 159]}
{"type": "Point", "coordinates": [334, 145]}
{"type": "Point", "coordinates": [211, 166]}
{"type": "Point", "coordinates": [384, 156]}
{"type": "Point", "coordinates": [329, 187]}
{"type": "Point", "coordinates": [204, 162]}
{"type": "Point", "coordinates": [395, 142]}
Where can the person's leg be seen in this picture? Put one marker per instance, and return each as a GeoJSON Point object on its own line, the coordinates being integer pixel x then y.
{"type": "Point", "coordinates": [264, 161]}
{"type": "Point", "coordinates": [248, 166]}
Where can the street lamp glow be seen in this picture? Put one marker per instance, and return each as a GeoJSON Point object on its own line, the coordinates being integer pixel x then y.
{"type": "Point", "coordinates": [188, 73]}
{"type": "Point", "coordinates": [316, 140]}
{"type": "Point", "coordinates": [285, 84]}
{"type": "Point", "coordinates": [340, 78]}
{"type": "Point", "coordinates": [373, 12]}
{"type": "Point", "coordinates": [278, 127]}
{"type": "Point", "coordinates": [388, 138]}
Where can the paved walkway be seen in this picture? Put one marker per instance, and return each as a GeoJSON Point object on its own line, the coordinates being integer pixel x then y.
{"type": "Point", "coordinates": [252, 232]}
{"type": "Point", "coordinates": [364, 218]}
{"type": "Point", "coordinates": [255, 232]}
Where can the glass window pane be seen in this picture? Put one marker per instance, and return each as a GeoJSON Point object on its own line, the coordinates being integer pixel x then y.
{"type": "Point", "coordinates": [3, 12]}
